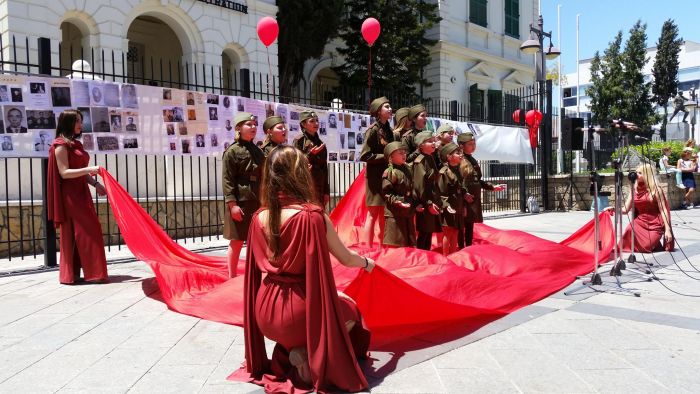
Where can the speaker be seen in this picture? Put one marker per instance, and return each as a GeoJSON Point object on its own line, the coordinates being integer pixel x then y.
{"type": "Point", "coordinates": [572, 134]}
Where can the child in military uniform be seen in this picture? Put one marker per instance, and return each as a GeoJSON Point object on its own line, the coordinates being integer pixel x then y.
{"type": "Point", "coordinates": [397, 191]}
{"type": "Point", "coordinates": [451, 186]}
{"type": "Point", "coordinates": [377, 136]}
{"type": "Point", "coordinates": [242, 166]}
{"type": "Point", "coordinates": [418, 116]}
{"type": "Point", "coordinates": [471, 173]}
{"type": "Point", "coordinates": [276, 134]}
{"type": "Point", "coordinates": [310, 143]}
{"type": "Point", "coordinates": [402, 124]}
{"type": "Point", "coordinates": [425, 176]}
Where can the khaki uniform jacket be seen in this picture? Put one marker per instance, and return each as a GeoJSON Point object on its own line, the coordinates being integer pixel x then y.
{"type": "Point", "coordinates": [412, 148]}
{"type": "Point", "coordinates": [242, 168]}
{"type": "Point", "coordinates": [397, 187]}
{"type": "Point", "coordinates": [268, 146]}
{"type": "Point", "coordinates": [319, 162]}
{"type": "Point", "coordinates": [452, 191]}
{"type": "Point", "coordinates": [376, 138]}
{"type": "Point", "coordinates": [471, 173]}
{"type": "Point", "coordinates": [425, 177]}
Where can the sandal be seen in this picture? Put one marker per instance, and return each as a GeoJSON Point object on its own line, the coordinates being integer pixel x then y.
{"type": "Point", "coordinates": [299, 358]}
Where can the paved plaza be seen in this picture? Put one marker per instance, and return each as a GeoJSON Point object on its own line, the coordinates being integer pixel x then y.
{"type": "Point", "coordinates": [120, 337]}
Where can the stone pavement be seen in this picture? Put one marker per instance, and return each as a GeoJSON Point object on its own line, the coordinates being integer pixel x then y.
{"type": "Point", "coordinates": [120, 338]}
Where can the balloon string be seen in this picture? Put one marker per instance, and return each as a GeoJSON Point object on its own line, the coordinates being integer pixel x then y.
{"type": "Point", "coordinates": [267, 49]}
{"type": "Point", "coordinates": [369, 76]}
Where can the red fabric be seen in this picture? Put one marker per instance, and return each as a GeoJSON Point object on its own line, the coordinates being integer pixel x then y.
{"type": "Point", "coordinates": [648, 225]}
{"type": "Point", "coordinates": [410, 292]}
{"type": "Point", "coordinates": [297, 305]}
{"type": "Point", "coordinates": [71, 208]}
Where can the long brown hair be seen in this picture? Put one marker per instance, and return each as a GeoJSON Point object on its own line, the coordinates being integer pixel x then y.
{"type": "Point", "coordinates": [402, 126]}
{"type": "Point", "coordinates": [286, 177]}
{"type": "Point", "coordinates": [66, 124]}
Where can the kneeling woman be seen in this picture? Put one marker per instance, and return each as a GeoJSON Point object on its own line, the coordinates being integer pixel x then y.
{"type": "Point", "coordinates": [319, 332]}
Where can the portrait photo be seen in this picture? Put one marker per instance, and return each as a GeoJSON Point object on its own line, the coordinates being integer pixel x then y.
{"type": "Point", "coordinates": [167, 94]}
{"type": "Point", "coordinates": [190, 98]}
{"type": "Point", "coordinates": [226, 102]}
{"type": "Point", "coordinates": [115, 120]}
{"type": "Point", "coordinates": [182, 129]}
{"type": "Point", "coordinates": [100, 121]}
{"type": "Point", "coordinates": [186, 146]}
{"type": "Point", "coordinates": [213, 99]}
{"type": "Point", "coordinates": [170, 128]}
{"type": "Point", "coordinates": [213, 113]}
{"type": "Point", "coordinates": [239, 105]}
{"type": "Point", "coordinates": [96, 96]}
{"type": "Point", "coordinates": [88, 142]}
{"type": "Point", "coordinates": [7, 143]}
{"type": "Point", "coordinates": [37, 87]}
{"type": "Point", "coordinates": [214, 139]}
{"type": "Point", "coordinates": [87, 119]}
{"type": "Point", "coordinates": [111, 94]}
{"type": "Point", "coordinates": [332, 121]}
{"type": "Point", "coordinates": [191, 114]}
{"type": "Point", "coordinates": [15, 119]}
{"type": "Point", "coordinates": [60, 96]}
{"type": "Point", "coordinates": [131, 121]}
{"type": "Point", "coordinates": [294, 115]}
{"type": "Point", "coordinates": [199, 141]}
{"type": "Point", "coordinates": [129, 98]}
{"type": "Point", "coordinates": [4, 94]}
{"type": "Point", "coordinates": [351, 140]}
{"type": "Point", "coordinates": [16, 94]}
{"type": "Point", "coordinates": [172, 145]}
{"type": "Point", "coordinates": [322, 128]}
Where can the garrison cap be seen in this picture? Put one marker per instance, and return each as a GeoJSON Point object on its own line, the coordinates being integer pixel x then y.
{"type": "Point", "coordinates": [464, 137]}
{"type": "Point", "coordinates": [415, 110]}
{"type": "Point", "coordinates": [307, 115]}
{"type": "Point", "coordinates": [446, 150]}
{"type": "Point", "coordinates": [272, 121]}
{"type": "Point", "coordinates": [401, 114]}
{"type": "Point", "coordinates": [445, 128]}
{"type": "Point", "coordinates": [376, 104]}
{"type": "Point", "coordinates": [242, 117]}
{"type": "Point", "coordinates": [393, 146]}
{"type": "Point", "coordinates": [422, 137]}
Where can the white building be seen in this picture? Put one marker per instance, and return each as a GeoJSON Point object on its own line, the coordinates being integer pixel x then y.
{"type": "Point", "coordinates": [576, 100]}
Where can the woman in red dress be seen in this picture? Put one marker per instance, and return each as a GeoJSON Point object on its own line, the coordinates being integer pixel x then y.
{"type": "Point", "coordinates": [70, 204]}
{"type": "Point", "coordinates": [652, 218]}
{"type": "Point", "coordinates": [290, 294]}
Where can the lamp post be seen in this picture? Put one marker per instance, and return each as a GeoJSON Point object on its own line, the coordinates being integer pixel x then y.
{"type": "Point", "coordinates": [535, 44]}
{"type": "Point", "coordinates": [692, 105]}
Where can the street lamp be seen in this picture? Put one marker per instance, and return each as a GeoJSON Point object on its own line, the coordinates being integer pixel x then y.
{"type": "Point", "coordinates": [532, 46]}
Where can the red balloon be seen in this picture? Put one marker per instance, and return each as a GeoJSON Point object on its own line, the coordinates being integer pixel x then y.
{"type": "Point", "coordinates": [370, 30]}
{"type": "Point", "coordinates": [268, 29]}
{"type": "Point", "coordinates": [533, 136]}
{"type": "Point", "coordinates": [533, 116]}
{"type": "Point", "coordinates": [516, 116]}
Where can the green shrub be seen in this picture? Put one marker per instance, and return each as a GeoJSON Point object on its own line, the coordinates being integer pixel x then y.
{"type": "Point", "coordinates": [653, 151]}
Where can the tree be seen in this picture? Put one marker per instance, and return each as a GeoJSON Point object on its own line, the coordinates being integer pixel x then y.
{"type": "Point", "coordinates": [665, 70]}
{"type": "Point", "coordinates": [553, 74]}
{"type": "Point", "coordinates": [305, 28]}
{"type": "Point", "coordinates": [637, 106]}
{"type": "Point", "coordinates": [399, 54]}
{"type": "Point", "coordinates": [606, 90]}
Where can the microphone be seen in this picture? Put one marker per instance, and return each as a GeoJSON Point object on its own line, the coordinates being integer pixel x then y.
{"type": "Point", "coordinates": [640, 138]}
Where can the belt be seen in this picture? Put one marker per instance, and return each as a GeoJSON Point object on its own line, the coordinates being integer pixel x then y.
{"type": "Point", "coordinates": [285, 278]}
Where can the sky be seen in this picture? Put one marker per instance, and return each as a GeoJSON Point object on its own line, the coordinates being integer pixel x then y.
{"type": "Point", "coordinates": [600, 20]}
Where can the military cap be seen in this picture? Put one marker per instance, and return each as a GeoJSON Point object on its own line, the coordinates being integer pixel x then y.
{"type": "Point", "coordinates": [393, 146]}
{"type": "Point", "coordinates": [422, 137]}
{"type": "Point", "coordinates": [445, 128]}
{"type": "Point", "coordinates": [415, 110]}
{"type": "Point", "coordinates": [464, 137]}
{"type": "Point", "coordinates": [272, 121]}
{"type": "Point", "coordinates": [376, 104]}
{"type": "Point", "coordinates": [401, 114]}
{"type": "Point", "coordinates": [307, 115]}
{"type": "Point", "coordinates": [446, 150]}
{"type": "Point", "coordinates": [242, 117]}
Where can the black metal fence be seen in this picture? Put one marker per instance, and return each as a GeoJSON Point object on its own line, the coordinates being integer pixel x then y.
{"type": "Point", "coordinates": [182, 193]}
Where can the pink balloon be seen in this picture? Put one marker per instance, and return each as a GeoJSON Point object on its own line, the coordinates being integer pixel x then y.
{"type": "Point", "coordinates": [370, 30]}
{"type": "Point", "coordinates": [268, 29]}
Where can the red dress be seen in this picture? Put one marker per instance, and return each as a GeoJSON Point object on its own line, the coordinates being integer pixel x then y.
{"type": "Point", "coordinates": [648, 224]}
{"type": "Point", "coordinates": [297, 304]}
{"type": "Point", "coordinates": [71, 209]}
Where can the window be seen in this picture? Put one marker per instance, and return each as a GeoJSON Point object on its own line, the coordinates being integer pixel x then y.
{"type": "Point", "coordinates": [495, 103]}
{"type": "Point", "coordinates": [476, 103]}
{"type": "Point", "coordinates": [477, 12]}
{"type": "Point", "coordinates": [513, 18]}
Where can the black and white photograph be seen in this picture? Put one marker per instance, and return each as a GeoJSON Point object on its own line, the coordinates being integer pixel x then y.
{"type": "Point", "coordinates": [360, 138]}
{"type": "Point", "coordinates": [172, 146]}
{"type": "Point", "coordinates": [332, 121]}
{"type": "Point", "coordinates": [322, 128]}
{"type": "Point", "coordinates": [100, 120]}
{"type": "Point", "coordinates": [37, 87]}
{"type": "Point", "coordinates": [294, 115]}
{"type": "Point", "coordinates": [81, 93]}
{"type": "Point", "coordinates": [167, 95]}
{"type": "Point", "coordinates": [282, 112]}
{"type": "Point", "coordinates": [269, 109]}
{"type": "Point", "coordinates": [226, 101]}
{"type": "Point", "coordinates": [7, 143]}
{"type": "Point", "coordinates": [190, 98]}
{"type": "Point", "coordinates": [182, 129]}
{"type": "Point", "coordinates": [130, 143]}
{"type": "Point", "coordinates": [332, 156]}
{"type": "Point", "coordinates": [343, 156]}
{"type": "Point", "coordinates": [130, 119]}
{"type": "Point", "coordinates": [115, 121]}
{"type": "Point", "coordinates": [363, 121]}
{"type": "Point", "coordinates": [96, 94]}
{"type": "Point", "coordinates": [213, 99]}
{"type": "Point", "coordinates": [239, 105]}
{"type": "Point", "coordinates": [87, 119]}
{"type": "Point", "coordinates": [111, 94]}
{"type": "Point", "coordinates": [214, 140]}
{"type": "Point", "coordinates": [351, 140]}
{"type": "Point", "coordinates": [213, 113]}
{"type": "Point", "coordinates": [107, 143]}
{"type": "Point", "coordinates": [4, 94]}
{"type": "Point", "coordinates": [341, 139]}
{"type": "Point", "coordinates": [199, 141]}
{"type": "Point", "coordinates": [170, 128]}
{"type": "Point", "coordinates": [60, 96]}
{"type": "Point", "coordinates": [41, 119]}
{"type": "Point", "coordinates": [191, 114]}
{"type": "Point", "coordinates": [16, 94]}
{"type": "Point", "coordinates": [129, 98]}
{"type": "Point", "coordinates": [42, 141]}
{"type": "Point", "coordinates": [227, 125]}
{"type": "Point", "coordinates": [15, 119]}
{"type": "Point", "coordinates": [88, 142]}
{"type": "Point", "coordinates": [351, 155]}
{"type": "Point", "coordinates": [186, 143]}
{"type": "Point", "coordinates": [173, 114]}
